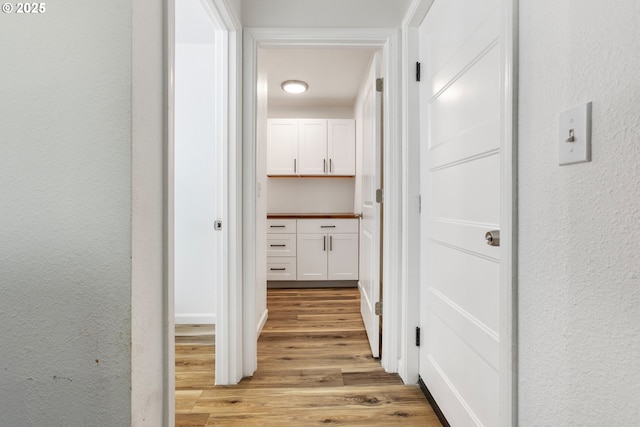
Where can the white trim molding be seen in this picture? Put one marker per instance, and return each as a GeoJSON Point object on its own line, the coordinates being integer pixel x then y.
{"type": "Point", "coordinates": [509, 217]}
{"type": "Point", "coordinates": [386, 40]}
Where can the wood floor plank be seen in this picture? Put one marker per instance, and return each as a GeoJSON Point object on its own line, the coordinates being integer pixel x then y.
{"type": "Point", "coordinates": [314, 369]}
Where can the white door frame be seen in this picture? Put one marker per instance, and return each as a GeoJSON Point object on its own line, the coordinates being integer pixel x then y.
{"type": "Point", "coordinates": [388, 41]}
{"type": "Point", "coordinates": [227, 370]}
{"type": "Point", "coordinates": [508, 209]}
{"type": "Point", "coordinates": [152, 312]}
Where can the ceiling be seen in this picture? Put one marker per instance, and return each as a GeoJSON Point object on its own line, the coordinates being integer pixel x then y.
{"type": "Point", "coordinates": [334, 75]}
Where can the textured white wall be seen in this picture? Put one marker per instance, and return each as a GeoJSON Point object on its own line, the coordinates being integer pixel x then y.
{"type": "Point", "coordinates": [65, 215]}
{"type": "Point", "coordinates": [579, 286]}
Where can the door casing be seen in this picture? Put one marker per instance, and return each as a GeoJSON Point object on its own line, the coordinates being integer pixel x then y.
{"type": "Point", "coordinates": [386, 40]}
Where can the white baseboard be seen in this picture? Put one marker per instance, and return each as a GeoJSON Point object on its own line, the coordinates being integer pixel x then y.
{"type": "Point", "coordinates": [262, 321]}
{"type": "Point", "coordinates": [195, 319]}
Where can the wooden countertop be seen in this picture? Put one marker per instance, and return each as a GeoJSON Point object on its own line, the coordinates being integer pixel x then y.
{"type": "Point", "coordinates": [314, 215]}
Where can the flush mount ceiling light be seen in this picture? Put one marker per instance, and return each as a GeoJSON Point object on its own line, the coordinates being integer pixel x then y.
{"type": "Point", "coordinates": [294, 86]}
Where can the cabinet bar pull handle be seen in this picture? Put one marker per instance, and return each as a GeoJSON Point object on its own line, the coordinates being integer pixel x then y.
{"type": "Point", "coordinates": [295, 166]}
{"type": "Point", "coordinates": [277, 226]}
{"type": "Point", "coordinates": [324, 165]}
{"type": "Point", "coordinates": [278, 269]}
{"type": "Point", "coordinates": [330, 165]}
{"type": "Point", "coordinates": [330, 243]}
{"type": "Point", "coordinates": [278, 246]}
{"type": "Point", "coordinates": [324, 243]}
{"type": "Point", "coordinates": [327, 226]}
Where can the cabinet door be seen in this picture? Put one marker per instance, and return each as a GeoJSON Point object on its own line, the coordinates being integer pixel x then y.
{"type": "Point", "coordinates": [312, 256]}
{"type": "Point", "coordinates": [282, 146]}
{"type": "Point", "coordinates": [312, 147]}
{"type": "Point", "coordinates": [343, 257]}
{"type": "Point", "coordinates": [341, 146]}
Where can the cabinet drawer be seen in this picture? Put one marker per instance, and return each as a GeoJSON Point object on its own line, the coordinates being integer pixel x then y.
{"type": "Point", "coordinates": [281, 226]}
{"type": "Point", "coordinates": [327, 226]}
{"type": "Point", "coordinates": [281, 245]}
{"type": "Point", "coordinates": [281, 268]}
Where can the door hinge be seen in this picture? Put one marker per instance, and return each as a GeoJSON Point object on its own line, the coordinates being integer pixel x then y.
{"type": "Point", "coordinates": [379, 195]}
{"type": "Point", "coordinates": [217, 225]}
{"type": "Point", "coordinates": [378, 308]}
{"type": "Point", "coordinates": [417, 336]}
{"type": "Point", "coordinates": [379, 84]}
{"type": "Point", "coordinates": [417, 71]}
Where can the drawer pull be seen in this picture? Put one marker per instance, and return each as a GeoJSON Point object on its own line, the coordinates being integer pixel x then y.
{"type": "Point", "coordinates": [278, 246]}
{"type": "Point", "coordinates": [277, 226]}
{"type": "Point", "coordinates": [278, 269]}
{"type": "Point", "coordinates": [327, 226]}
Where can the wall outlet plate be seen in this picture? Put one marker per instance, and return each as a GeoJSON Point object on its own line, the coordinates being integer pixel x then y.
{"type": "Point", "coordinates": [575, 135]}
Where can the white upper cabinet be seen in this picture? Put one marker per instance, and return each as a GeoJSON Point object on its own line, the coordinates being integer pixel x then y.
{"type": "Point", "coordinates": [311, 147]}
{"type": "Point", "coordinates": [282, 150]}
{"type": "Point", "coordinates": [341, 147]}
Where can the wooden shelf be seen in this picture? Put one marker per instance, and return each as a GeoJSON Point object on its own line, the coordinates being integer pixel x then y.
{"type": "Point", "coordinates": [314, 215]}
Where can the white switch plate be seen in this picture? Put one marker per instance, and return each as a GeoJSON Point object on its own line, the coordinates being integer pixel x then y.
{"type": "Point", "coordinates": [576, 123]}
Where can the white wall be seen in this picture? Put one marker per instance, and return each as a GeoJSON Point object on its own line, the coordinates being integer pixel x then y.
{"type": "Point", "coordinates": [65, 215]}
{"type": "Point", "coordinates": [234, 7]}
{"type": "Point", "coordinates": [195, 184]}
{"type": "Point", "coordinates": [579, 284]}
{"type": "Point", "coordinates": [281, 112]}
{"type": "Point", "coordinates": [307, 195]}
{"type": "Point", "coordinates": [324, 14]}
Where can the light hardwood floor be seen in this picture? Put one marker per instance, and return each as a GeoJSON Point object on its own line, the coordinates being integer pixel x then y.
{"type": "Point", "coordinates": [314, 368]}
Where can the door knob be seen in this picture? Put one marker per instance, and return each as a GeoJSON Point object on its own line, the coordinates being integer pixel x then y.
{"type": "Point", "coordinates": [493, 238]}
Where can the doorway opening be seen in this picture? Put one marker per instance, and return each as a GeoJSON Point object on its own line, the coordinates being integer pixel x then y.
{"type": "Point", "coordinates": [258, 108]}
{"type": "Point", "coordinates": [318, 171]}
{"type": "Point", "coordinates": [201, 122]}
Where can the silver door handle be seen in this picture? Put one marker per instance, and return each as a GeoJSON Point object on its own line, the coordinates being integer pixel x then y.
{"type": "Point", "coordinates": [324, 243]}
{"type": "Point", "coordinates": [324, 166]}
{"type": "Point", "coordinates": [330, 165]}
{"type": "Point", "coordinates": [493, 238]}
{"type": "Point", "coordinates": [330, 243]}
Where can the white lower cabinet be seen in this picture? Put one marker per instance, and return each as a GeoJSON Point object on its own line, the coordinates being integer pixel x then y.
{"type": "Point", "coordinates": [327, 249]}
{"type": "Point", "coordinates": [312, 249]}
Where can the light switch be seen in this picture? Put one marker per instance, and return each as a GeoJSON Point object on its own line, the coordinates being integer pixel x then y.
{"type": "Point", "coordinates": [575, 135]}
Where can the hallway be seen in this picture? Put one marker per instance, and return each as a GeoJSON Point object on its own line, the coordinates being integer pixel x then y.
{"type": "Point", "coordinates": [314, 368]}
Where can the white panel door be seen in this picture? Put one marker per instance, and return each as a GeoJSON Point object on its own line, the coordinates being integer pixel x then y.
{"type": "Point", "coordinates": [343, 257]}
{"type": "Point", "coordinates": [312, 147]}
{"type": "Point", "coordinates": [341, 146]}
{"type": "Point", "coordinates": [460, 107]}
{"type": "Point", "coordinates": [282, 146]}
{"type": "Point", "coordinates": [370, 232]}
{"type": "Point", "coordinates": [312, 256]}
